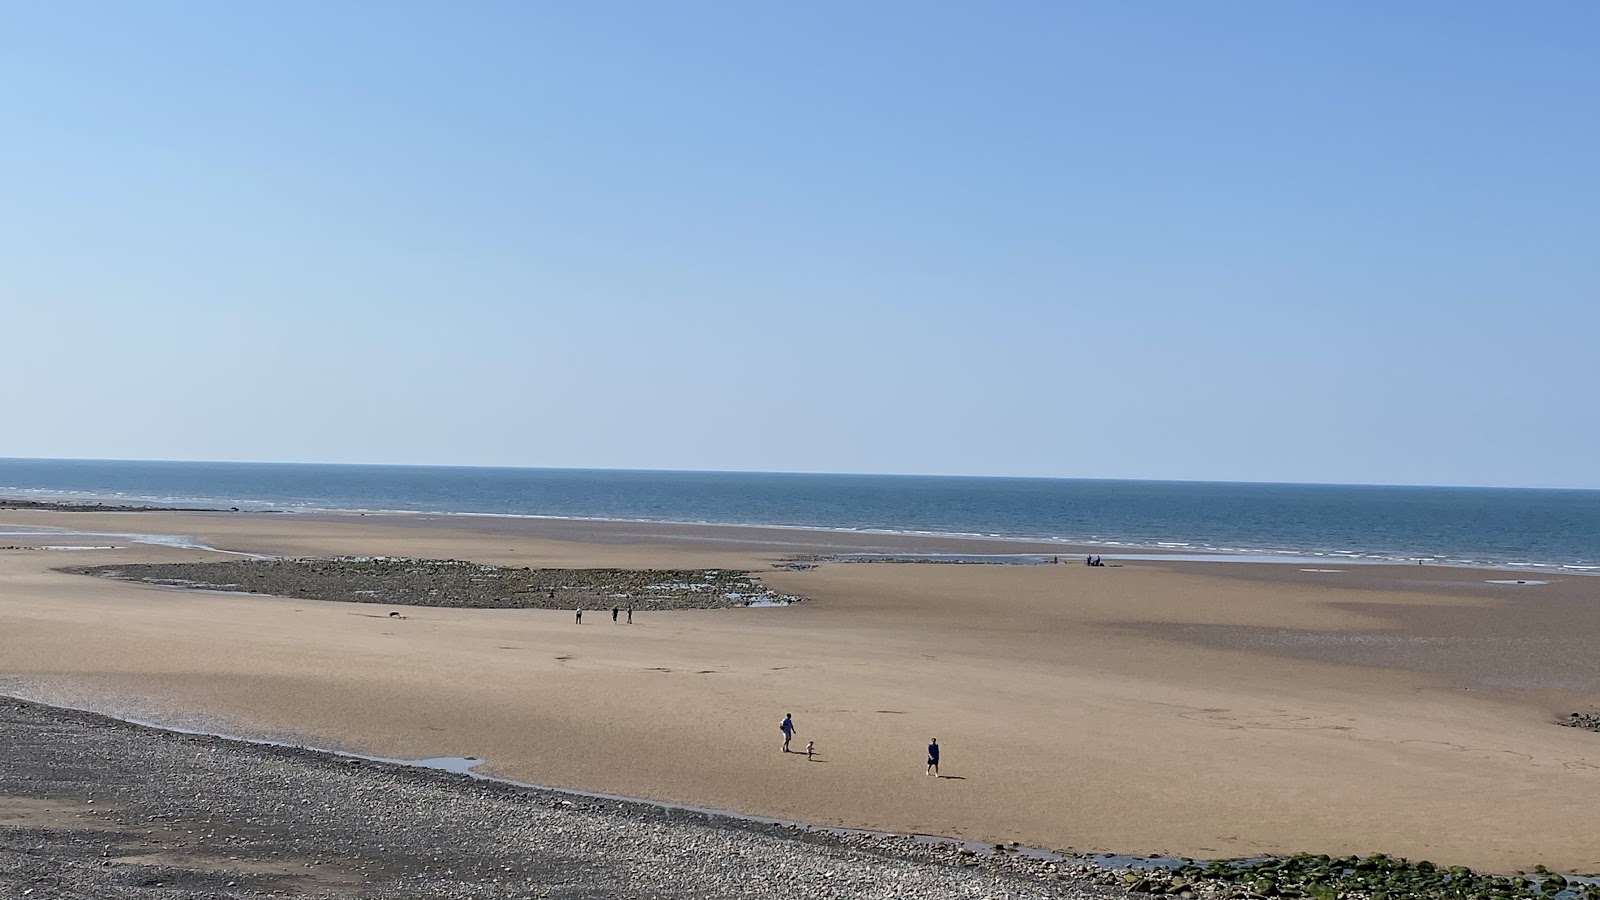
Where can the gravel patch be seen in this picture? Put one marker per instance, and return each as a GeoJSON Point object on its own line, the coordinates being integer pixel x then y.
{"type": "Point", "coordinates": [92, 807]}
{"type": "Point", "coordinates": [1589, 721]}
{"type": "Point", "coordinates": [396, 581]}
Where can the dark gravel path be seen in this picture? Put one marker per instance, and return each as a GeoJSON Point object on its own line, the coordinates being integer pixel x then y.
{"type": "Point", "coordinates": [92, 807]}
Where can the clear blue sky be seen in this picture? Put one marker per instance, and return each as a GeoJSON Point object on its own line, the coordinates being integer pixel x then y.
{"type": "Point", "coordinates": [1236, 240]}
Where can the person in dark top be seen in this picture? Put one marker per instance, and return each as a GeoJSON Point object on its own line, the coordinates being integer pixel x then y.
{"type": "Point", "coordinates": [933, 757]}
{"type": "Point", "coordinates": [787, 727]}
{"type": "Point", "coordinates": [630, 613]}
{"type": "Point", "coordinates": [614, 611]}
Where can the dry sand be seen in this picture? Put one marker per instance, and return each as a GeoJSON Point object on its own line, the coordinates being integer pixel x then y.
{"type": "Point", "coordinates": [1196, 709]}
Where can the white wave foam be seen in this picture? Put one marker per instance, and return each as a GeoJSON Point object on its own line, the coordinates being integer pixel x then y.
{"type": "Point", "coordinates": [1285, 554]}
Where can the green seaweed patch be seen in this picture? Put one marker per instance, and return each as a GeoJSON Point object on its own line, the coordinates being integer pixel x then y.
{"type": "Point", "coordinates": [1376, 877]}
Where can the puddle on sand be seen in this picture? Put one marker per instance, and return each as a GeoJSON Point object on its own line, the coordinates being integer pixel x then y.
{"type": "Point", "coordinates": [459, 765]}
{"type": "Point", "coordinates": [178, 541]}
{"type": "Point", "coordinates": [993, 559]}
{"type": "Point", "coordinates": [1514, 581]}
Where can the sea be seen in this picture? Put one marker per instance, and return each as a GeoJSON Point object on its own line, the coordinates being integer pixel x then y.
{"type": "Point", "coordinates": [1542, 529]}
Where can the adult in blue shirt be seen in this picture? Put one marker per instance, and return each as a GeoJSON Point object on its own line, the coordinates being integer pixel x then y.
{"type": "Point", "coordinates": [933, 757]}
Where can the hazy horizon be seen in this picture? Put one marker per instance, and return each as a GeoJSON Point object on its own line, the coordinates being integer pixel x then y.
{"type": "Point", "coordinates": [402, 465]}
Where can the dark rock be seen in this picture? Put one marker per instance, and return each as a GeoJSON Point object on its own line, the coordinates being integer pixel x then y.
{"type": "Point", "coordinates": [455, 583]}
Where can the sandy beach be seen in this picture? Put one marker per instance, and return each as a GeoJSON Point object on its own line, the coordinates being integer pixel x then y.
{"type": "Point", "coordinates": [1196, 709]}
{"type": "Point", "coordinates": [97, 809]}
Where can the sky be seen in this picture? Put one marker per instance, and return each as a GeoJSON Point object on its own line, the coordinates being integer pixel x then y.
{"type": "Point", "coordinates": [1262, 241]}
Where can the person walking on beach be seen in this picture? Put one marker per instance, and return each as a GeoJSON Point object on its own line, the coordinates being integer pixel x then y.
{"type": "Point", "coordinates": [933, 757]}
{"type": "Point", "coordinates": [811, 747]}
{"type": "Point", "coordinates": [630, 613]}
{"type": "Point", "coordinates": [579, 617]}
{"type": "Point", "coordinates": [614, 612]}
{"type": "Point", "coordinates": [787, 727]}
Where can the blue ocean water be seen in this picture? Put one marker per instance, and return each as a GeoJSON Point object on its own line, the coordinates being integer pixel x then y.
{"type": "Point", "coordinates": [1547, 528]}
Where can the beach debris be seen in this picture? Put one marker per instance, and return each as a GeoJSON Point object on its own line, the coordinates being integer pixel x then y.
{"type": "Point", "coordinates": [1375, 877]}
{"type": "Point", "coordinates": [1589, 721]}
{"type": "Point", "coordinates": [93, 506]}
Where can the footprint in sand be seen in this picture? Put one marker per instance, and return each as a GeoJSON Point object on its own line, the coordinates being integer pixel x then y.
{"type": "Point", "coordinates": [1274, 721]}
{"type": "Point", "coordinates": [1479, 752]}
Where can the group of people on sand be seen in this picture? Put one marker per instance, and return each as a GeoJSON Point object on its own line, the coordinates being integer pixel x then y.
{"type": "Point", "coordinates": [788, 729]}
{"type": "Point", "coordinates": [1092, 561]}
{"type": "Point", "coordinates": [615, 611]}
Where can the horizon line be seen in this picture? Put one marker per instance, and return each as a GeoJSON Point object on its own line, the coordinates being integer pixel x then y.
{"type": "Point", "coordinates": [951, 475]}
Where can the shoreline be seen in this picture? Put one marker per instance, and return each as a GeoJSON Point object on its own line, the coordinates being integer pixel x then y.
{"type": "Point", "coordinates": [467, 767]}
{"type": "Point", "coordinates": [1049, 544]}
{"type": "Point", "coordinates": [1036, 871]}
{"type": "Point", "coordinates": [1094, 870]}
{"type": "Point", "coordinates": [149, 812]}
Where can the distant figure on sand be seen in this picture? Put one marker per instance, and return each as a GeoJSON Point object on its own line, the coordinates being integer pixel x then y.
{"type": "Point", "coordinates": [630, 613]}
{"type": "Point", "coordinates": [787, 727]}
{"type": "Point", "coordinates": [579, 617]}
{"type": "Point", "coordinates": [933, 757]}
{"type": "Point", "coordinates": [810, 747]}
{"type": "Point", "coordinates": [614, 611]}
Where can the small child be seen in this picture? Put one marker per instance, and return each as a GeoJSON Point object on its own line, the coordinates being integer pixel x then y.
{"type": "Point", "coordinates": [810, 746]}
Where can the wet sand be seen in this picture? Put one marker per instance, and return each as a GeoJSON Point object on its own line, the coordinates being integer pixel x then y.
{"type": "Point", "coordinates": [1197, 709]}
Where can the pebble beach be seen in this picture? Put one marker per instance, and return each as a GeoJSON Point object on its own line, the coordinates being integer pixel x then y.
{"type": "Point", "coordinates": [99, 809]}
